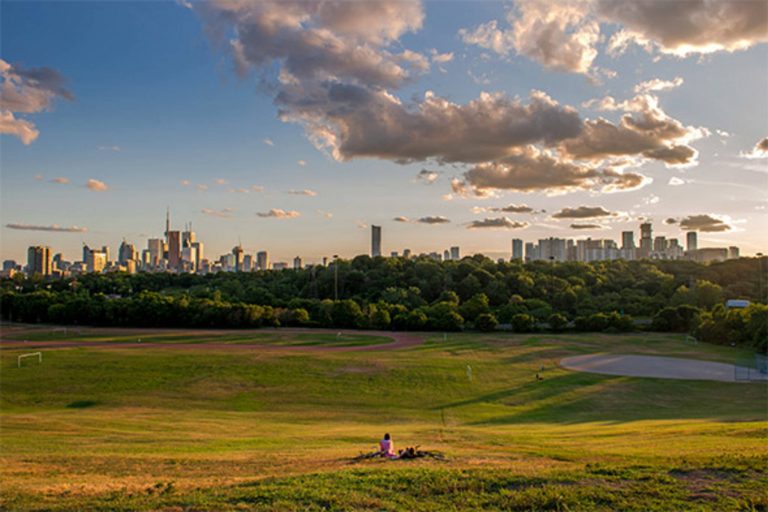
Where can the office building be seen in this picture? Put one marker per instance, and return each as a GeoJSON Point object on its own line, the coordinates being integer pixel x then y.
{"type": "Point", "coordinates": [198, 247]}
{"type": "Point", "coordinates": [155, 250]}
{"type": "Point", "coordinates": [517, 249]}
{"type": "Point", "coordinates": [691, 242]}
{"type": "Point", "coordinates": [660, 244]}
{"type": "Point", "coordinates": [126, 252]}
{"type": "Point", "coordinates": [174, 250]}
{"type": "Point", "coordinates": [552, 249]}
{"type": "Point", "coordinates": [375, 241]}
{"type": "Point", "coordinates": [627, 240]}
{"type": "Point", "coordinates": [95, 260]}
{"type": "Point", "coordinates": [406, 253]}
{"type": "Point", "coordinates": [646, 240]}
{"type": "Point", "coordinates": [247, 263]}
{"type": "Point", "coordinates": [393, 254]}
{"type": "Point", "coordinates": [455, 253]}
{"type": "Point", "coordinates": [531, 252]}
{"type": "Point", "coordinates": [188, 260]}
{"type": "Point", "coordinates": [262, 260]}
{"type": "Point", "coordinates": [237, 253]}
{"type": "Point", "coordinates": [298, 263]}
{"type": "Point", "coordinates": [733, 252]}
{"type": "Point", "coordinates": [39, 260]}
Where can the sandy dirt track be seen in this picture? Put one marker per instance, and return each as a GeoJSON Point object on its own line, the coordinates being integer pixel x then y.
{"type": "Point", "coordinates": [14, 338]}
{"type": "Point", "coordinates": [653, 366]}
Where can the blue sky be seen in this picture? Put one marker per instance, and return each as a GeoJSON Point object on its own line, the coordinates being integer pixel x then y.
{"type": "Point", "coordinates": [160, 116]}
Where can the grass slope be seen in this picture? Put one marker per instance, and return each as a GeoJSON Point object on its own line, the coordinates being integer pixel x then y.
{"type": "Point", "coordinates": [158, 428]}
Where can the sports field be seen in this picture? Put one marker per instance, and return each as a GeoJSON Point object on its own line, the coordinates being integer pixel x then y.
{"type": "Point", "coordinates": [269, 420]}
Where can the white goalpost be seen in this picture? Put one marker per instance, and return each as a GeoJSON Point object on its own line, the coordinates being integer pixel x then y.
{"type": "Point", "coordinates": [32, 354]}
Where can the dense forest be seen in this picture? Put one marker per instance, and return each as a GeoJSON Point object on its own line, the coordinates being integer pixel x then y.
{"type": "Point", "coordinates": [418, 294]}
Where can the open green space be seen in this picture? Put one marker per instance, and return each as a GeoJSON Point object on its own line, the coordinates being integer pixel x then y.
{"type": "Point", "coordinates": [164, 427]}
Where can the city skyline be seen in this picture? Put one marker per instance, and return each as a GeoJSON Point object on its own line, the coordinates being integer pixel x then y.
{"type": "Point", "coordinates": [184, 252]}
{"type": "Point", "coordinates": [89, 157]}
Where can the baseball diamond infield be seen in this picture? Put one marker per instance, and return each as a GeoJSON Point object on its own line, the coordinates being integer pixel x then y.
{"type": "Point", "coordinates": [654, 367]}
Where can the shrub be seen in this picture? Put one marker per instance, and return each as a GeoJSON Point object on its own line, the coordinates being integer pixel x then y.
{"type": "Point", "coordinates": [486, 322]}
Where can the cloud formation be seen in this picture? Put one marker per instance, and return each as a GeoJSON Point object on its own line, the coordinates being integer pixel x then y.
{"type": "Point", "coordinates": [224, 213]}
{"type": "Point", "coordinates": [586, 226]}
{"type": "Point", "coordinates": [60, 180]}
{"type": "Point", "coordinates": [684, 28]}
{"type": "Point", "coordinates": [278, 213]}
{"type": "Point", "coordinates": [759, 151]}
{"type": "Point", "coordinates": [96, 185]}
{"type": "Point", "coordinates": [512, 208]}
{"type": "Point", "coordinates": [27, 91]}
{"type": "Point", "coordinates": [427, 177]}
{"type": "Point", "coordinates": [55, 228]}
{"type": "Point", "coordinates": [582, 212]}
{"type": "Point", "coordinates": [705, 223]}
{"type": "Point", "coordinates": [532, 170]}
{"type": "Point", "coordinates": [496, 223]}
{"type": "Point", "coordinates": [339, 64]}
{"type": "Point", "coordinates": [564, 35]}
{"type": "Point", "coordinates": [303, 192]}
{"type": "Point", "coordinates": [438, 219]}
{"type": "Point", "coordinates": [674, 181]}
{"type": "Point", "coordinates": [657, 84]}
{"type": "Point", "coordinates": [401, 218]}
{"type": "Point", "coordinates": [556, 35]}
{"type": "Point", "coordinates": [644, 131]}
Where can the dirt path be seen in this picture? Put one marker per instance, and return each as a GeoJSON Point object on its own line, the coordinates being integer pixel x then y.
{"type": "Point", "coordinates": [401, 340]}
{"type": "Point", "coordinates": [656, 367]}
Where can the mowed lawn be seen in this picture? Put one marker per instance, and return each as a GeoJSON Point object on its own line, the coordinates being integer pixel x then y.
{"type": "Point", "coordinates": [161, 427]}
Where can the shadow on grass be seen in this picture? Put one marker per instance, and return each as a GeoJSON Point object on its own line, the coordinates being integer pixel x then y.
{"type": "Point", "coordinates": [82, 404]}
{"type": "Point", "coordinates": [583, 397]}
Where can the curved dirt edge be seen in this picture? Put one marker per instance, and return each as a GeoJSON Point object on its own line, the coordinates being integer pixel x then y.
{"type": "Point", "coordinates": [400, 340]}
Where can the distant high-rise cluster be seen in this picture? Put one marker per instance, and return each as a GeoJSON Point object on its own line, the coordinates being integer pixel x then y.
{"type": "Point", "coordinates": [658, 248]}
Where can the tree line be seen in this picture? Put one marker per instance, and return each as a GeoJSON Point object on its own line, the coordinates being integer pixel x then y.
{"type": "Point", "coordinates": [416, 294]}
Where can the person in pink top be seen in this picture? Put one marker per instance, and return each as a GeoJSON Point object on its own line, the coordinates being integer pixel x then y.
{"type": "Point", "coordinates": [387, 447]}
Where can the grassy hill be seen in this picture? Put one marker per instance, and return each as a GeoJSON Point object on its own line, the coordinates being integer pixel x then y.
{"type": "Point", "coordinates": [164, 427]}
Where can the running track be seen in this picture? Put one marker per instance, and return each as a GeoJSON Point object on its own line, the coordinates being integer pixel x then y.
{"type": "Point", "coordinates": [401, 340]}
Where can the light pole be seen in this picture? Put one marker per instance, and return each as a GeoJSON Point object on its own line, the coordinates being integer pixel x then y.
{"type": "Point", "coordinates": [335, 277]}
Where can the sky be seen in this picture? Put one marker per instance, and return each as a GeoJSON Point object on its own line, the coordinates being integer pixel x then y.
{"type": "Point", "coordinates": [292, 127]}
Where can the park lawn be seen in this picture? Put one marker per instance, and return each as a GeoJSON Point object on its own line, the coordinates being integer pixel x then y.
{"type": "Point", "coordinates": [159, 427]}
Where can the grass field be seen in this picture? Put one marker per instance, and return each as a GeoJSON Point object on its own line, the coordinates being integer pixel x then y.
{"type": "Point", "coordinates": [157, 427]}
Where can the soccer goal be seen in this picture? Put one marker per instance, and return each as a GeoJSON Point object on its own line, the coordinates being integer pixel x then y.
{"type": "Point", "coordinates": [31, 354]}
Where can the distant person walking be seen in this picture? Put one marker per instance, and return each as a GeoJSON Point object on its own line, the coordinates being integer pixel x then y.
{"type": "Point", "coordinates": [387, 447]}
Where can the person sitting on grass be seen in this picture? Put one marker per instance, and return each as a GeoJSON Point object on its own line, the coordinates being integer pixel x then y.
{"type": "Point", "coordinates": [387, 447]}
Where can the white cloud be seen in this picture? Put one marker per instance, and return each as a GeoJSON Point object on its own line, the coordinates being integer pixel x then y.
{"type": "Point", "coordinates": [27, 91]}
{"type": "Point", "coordinates": [60, 180]}
{"type": "Point", "coordinates": [268, 142]}
{"type": "Point", "coordinates": [96, 185]}
{"type": "Point", "coordinates": [303, 192]}
{"type": "Point", "coordinates": [497, 223]}
{"type": "Point", "coordinates": [279, 214]}
{"type": "Point", "coordinates": [658, 84]}
{"type": "Point", "coordinates": [674, 181]}
{"type": "Point", "coordinates": [55, 228]}
{"type": "Point", "coordinates": [224, 213]}
{"type": "Point", "coordinates": [759, 151]}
